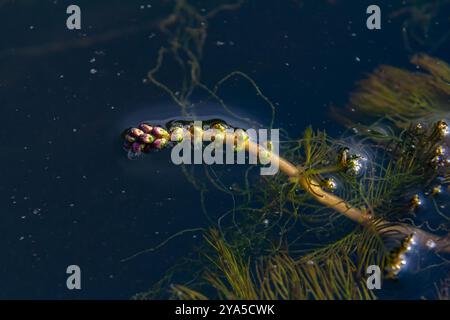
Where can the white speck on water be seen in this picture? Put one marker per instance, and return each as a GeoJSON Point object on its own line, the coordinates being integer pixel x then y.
{"type": "Point", "coordinates": [220, 43]}
{"type": "Point", "coordinates": [93, 71]}
{"type": "Point", "coordinates": [358, 59]}
{"type": "Point", "coordinates": [92, 60]}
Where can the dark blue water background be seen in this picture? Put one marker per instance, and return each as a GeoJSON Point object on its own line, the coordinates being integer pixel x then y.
{"type": "Point", "coordinates": [68, 193]}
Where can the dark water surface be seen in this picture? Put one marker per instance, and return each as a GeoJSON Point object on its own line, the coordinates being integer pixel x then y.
{"type": "Point", "coordinates": [68, 193]}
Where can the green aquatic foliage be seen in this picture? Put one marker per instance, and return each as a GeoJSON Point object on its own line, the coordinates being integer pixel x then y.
{"type": "Point", "coordinates": [331, 275]}
{"type": "Point", "coordinates": [277, 241]}
{"type": "Point", "coordinates": [401, 96]}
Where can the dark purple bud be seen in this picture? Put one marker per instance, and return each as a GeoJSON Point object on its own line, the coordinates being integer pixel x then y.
{"type": "Point", "coordinates": [146, 128]}
{"type": "Point", "coordinates": [147, 138]}
{"type": "Point", "coordinates": [136, 147]}
{"type": "Point", "coordinates": [147, 148]}
{"type": "Point", "coordinates": [159, 132]}
{"type": "Point", "coordinates": [135, 132]}
{"type": "Point", "coordinates": [160, 143]}
{"type": "Point", "coordinates": [130, 138]}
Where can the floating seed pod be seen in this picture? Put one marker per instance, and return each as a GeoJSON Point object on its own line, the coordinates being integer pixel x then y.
{"type": "Point", "coordinates": [146, 128]}
{"type": "Point", "coordinates": [160, 143]}
{"type": "Point", "coordinates": [146, 138]}
{"type": "Point", "coordinates": [135, 132]}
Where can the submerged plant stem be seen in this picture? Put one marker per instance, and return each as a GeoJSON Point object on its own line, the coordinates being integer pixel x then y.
{"type": "Point", "coordinates": [360, 216]}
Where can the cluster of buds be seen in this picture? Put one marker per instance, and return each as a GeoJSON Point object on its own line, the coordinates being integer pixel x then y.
{"type": "Point", "coordinates": [352, 163]}
{"type": "Point", "coordinates": [145, 138]}
{"type": "Point", "coordinates": [397, 258]}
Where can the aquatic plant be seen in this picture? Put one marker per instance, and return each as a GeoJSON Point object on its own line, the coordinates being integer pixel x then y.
{"type": "Point", "coordinates": [342, 204]}
{"type": "Point", "coordinates": [362, 199]}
